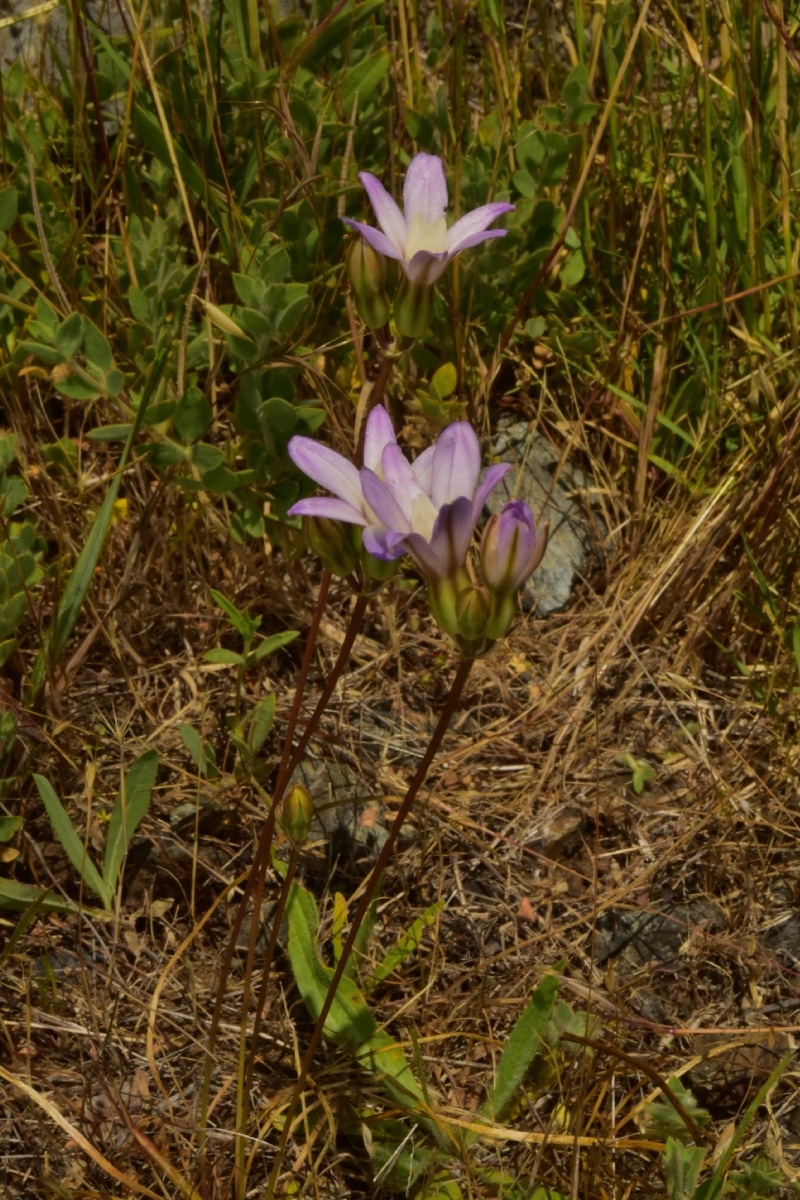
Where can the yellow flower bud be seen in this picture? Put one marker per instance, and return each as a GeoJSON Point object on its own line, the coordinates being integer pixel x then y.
{"type": "Point", "coordinates": [298, 809]}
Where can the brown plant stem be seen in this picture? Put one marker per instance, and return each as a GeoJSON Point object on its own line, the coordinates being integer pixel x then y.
{"type": "Point", "coordinates": [370, 887]}
{"type": "Point", "coordinates": [262, 850]}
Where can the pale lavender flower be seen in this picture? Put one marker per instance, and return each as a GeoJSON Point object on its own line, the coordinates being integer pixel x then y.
{"type": "Point", "coordinates": [427, 508]}
{"type": "Point", "coordinates": [511, 549]}
{"type": "Point", "coordinates": [419, 238]}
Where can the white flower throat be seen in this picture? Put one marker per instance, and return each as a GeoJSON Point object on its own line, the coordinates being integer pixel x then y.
{"type": "Point", "coordinates": [426, 235]}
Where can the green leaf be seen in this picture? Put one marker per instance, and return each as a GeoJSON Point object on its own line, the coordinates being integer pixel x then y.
{"type": "Point", "coordinates": [241, 622]}
{"type": "Point", "coordinates": [364, 78]}
{"type": "Point", "coordinates": [202, 754]}
{"type": "Point", "coordinates": [130, 805]}
{"type": "Point", "coordinates": [682, 1166]}
{"type": "Point", "coordinates": [8, 208]}
{"type": "Point", "coordinates": [21, 895]}
{"type": "Point", "coordinates": [260, 723]}
{"type": "Point", "coordinates": [525, 184]}
{"type": "Point", "coordinates": [96, 348]}
{"type": "Point", "coordinates": [192, 415]}
{"type": "Point", "coordinates": [349, 1019]}
{"type": "Point", "coordinates": [69, 335]}
{"type": "Point", "coordinates": [8, 827]}
{"type": "Point", "coordinates": [78, 387]}
{"type": "Point", "coordinates": [221, 656]}
{"type": "Point", "coordinates": [444, 381]}
{"type": "Point", "coordinates": [524, 1043]}
{"type": "Point", "coordinates": [40, 351]}
{"type": "Point", "coordinates": [406, 944]}
{"type": "Point", "coordinates": [280, 416]}
{"type": "Point", "coordinates": [110, 433]}
{"type": "Point", "coordinates": [271, 644]}
{"type": "Point", "coordinates": [72, 844]}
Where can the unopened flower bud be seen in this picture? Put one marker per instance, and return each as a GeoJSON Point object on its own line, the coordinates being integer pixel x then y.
{"type": "Point", "coordinates": [298, 809]}
{"type": "Point", "coordinates": [473, 606]}
{"type": "Point", "coordinates": [332, 542]}
{"type": "Point", "coordinates": [511, 549]}
{"type": "Point", "coordinates": [413, 308]}
{"type": "Point", "coordinates": [366, 270]}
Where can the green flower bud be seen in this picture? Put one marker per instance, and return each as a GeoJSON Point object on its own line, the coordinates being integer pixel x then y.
{"type": "Point", "coordinates": [298, 809]}
{"type": "Point", "coordinates": [332, 542]}
{"type": "Point", "coordinates": [366, 270]}
{"type": "Point", "coordinates": [413, 308]}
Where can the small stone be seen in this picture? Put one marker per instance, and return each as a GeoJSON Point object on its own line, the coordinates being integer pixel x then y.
{"type": "Point", "coordinates": [555, 500]}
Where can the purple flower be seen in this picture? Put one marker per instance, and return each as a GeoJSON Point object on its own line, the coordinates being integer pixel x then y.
{"type": "Point", "coordinates": [511, 549]}
{"type": "Point", "coordinates": [420, 239]}
{"type": "Point", "coordinates": [427, 508]}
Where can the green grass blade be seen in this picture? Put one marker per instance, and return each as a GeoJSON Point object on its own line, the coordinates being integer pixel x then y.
{"type": "Point", "coordinates": [72, 844]}
{"type": "Point", "coordinates": [80, 579]}
{"type": "Point", "coordinates": [130, 805]}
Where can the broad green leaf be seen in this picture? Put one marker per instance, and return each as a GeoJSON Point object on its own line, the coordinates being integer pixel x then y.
{"type": "Point", "coordinates": [192, 415]}
{"type": "Point", "coordinates": [682, 1166]}
{"type": "Point", "coordinates": [523, 1045]}
{"type": "Point", "coordinates": [130, 805]}
{"type": "Point", "coordinates": [220, 656]}
{"type": "Point", "coordinates": [72, 844]}
{"type": "Point", "coordinates": [21, 895]}
{"type": "Point", "coordinates": [8, 827]}
{"type": "Point", "coordinates": [364, 78]}
{"type": "Point", "coordinates": [444, 381]}
{"type": "Point", "coordinates": [69, 335]}
{"type": "Point", "coordinates": [271, 644]}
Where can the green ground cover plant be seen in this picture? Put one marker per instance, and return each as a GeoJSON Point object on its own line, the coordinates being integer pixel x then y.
{"type": "Point", "coordinates": [532, 931]}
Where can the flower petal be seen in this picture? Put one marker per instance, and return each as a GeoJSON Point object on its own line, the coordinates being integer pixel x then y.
{"type": "Point", "coordinates": [475, 222]}
{"type": "Point", "coordinates": [447, 549]}
{"type": "Point", "coordinates": [490, 480]}
{"type": "Point", "coordinates": [383, 503]}
{"type": "Point", "coordinates": [475, 240]}
{"type": "Point", "coordinates": [399, 477]}
{"type": "Point", "coordinates": [456, 464]}
{"type": "Point", "coordinates": [422, 467]}
{"type": "Point", "coordinates": [379, 241]}
{"type": "Point", "coordinates": [426, 267]}
{"type": "Point", "coordinates": [327, 506]}
{"type": "Point", "coordinates": [327, 468]}
{"type": "Point", "coordinates": [378, 434]}
{"type": "Point", "coordinates": [389, 216]}
{"type": "Point", "coordinates": [425, 189]}
{"type": "Point", "coordinates": [384, 543]}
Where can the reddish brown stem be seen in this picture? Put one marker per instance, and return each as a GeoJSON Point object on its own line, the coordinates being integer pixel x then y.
{"type": "Point", "coordinates": [454, 695]}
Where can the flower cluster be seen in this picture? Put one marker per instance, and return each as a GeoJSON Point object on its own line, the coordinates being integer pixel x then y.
{"type": "Point", "coordinates": [428, 509]}
{"type": "Point", "coordinates": [418, 239]}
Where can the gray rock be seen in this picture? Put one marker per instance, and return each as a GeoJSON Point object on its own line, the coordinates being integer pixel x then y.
{"type": "Point", "coordinates": [557, 500]}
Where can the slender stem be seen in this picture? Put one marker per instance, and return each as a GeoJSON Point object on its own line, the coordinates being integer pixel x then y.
{"type": "Point", "coordinates": [370, 887]}
{"type": "Point", "coordinates": [258, 872]}
{"type": "Point", "coordinates": [262, 852]}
